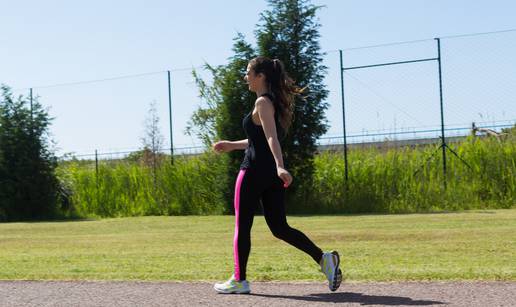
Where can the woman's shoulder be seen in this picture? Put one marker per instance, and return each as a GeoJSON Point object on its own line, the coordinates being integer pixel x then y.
{"type": "Point", "coordinates": [263, 101]}
{"type": "Point", "coordinates": [269, 96]}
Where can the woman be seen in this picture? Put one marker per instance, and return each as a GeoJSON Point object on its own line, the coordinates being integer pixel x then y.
{"type": "Point", "coordinates": [263, 175]}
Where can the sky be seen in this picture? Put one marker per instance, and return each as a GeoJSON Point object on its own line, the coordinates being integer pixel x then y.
{"type": "Point", "coordinates": [56, 47]}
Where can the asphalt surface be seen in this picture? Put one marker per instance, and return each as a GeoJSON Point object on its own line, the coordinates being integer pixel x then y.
{"type": "Point", "coordinates": [109, 293]}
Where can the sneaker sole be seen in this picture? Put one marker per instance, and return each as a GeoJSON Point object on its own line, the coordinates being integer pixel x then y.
{"type": "Point", "coordinates": [336, 280]}
{"type": "Point", "coordinates": [231, 292]}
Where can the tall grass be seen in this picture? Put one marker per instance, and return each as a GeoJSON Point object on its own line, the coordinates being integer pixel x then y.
{"type": "Point", "coordinates": [397, 180]}
{"type": "Point", "coordinates": [411, 179]}
{"type": "Point", "coordinates": [190, 186]}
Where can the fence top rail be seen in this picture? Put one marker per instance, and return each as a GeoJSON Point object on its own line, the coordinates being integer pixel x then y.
{"type": "Point", "coordinates": [109, 79]}
{"type": "Point", "coordinates": [390, 63]}
{"type": "Point", "coordinates": [423, 40]}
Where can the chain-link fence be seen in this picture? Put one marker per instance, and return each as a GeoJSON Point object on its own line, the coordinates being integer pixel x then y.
{"type": "Point", "coordinates": [428, 91]}
{"type": "Point", "coordinates": [107, 118]}
{"type": "Point", "coordinates": [392, 96]}
{"type": "Point", "coordinates": [392, 91]}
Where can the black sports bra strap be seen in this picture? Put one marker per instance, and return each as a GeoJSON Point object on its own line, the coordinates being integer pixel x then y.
{"type": "Point", "coordinates": [276, 108]}
{"type": "Point", "coordinates": [268, 96]}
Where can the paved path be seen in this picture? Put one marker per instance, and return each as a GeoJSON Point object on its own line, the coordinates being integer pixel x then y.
{"type": "Point", "coordinates": [103, 293]}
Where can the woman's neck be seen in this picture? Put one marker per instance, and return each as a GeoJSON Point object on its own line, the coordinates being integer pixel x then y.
{"type": "Point", "coordinates": [261, 91]}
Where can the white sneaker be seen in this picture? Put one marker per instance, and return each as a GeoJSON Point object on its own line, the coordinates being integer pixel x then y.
{"type": "Point", "coordinates": [330, 267]}
{"type": "Point", "coordinates": [233, 286]}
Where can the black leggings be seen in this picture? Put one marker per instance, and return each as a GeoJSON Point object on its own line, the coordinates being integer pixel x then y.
{"type": "Point", "coordinates": [251, 186]}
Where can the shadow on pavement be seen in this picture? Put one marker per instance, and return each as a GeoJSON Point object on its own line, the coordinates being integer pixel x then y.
{"type": "Point", "coordinates": [349, 297]}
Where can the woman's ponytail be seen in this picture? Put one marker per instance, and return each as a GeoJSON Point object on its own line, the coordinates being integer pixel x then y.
{"type": "Point", "coordinates": [281, 85]}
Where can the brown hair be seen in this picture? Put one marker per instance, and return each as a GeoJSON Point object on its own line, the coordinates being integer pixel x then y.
{"type": "Point", "coordinates": [281, 85]}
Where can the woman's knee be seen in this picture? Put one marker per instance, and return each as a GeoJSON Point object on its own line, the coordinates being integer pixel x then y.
{"type": "Point", "coordinates": [281, 231]}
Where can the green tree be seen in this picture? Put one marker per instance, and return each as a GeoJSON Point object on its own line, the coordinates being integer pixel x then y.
{"type": "Point", "coordinates": [29, 188]}
{"type": "Point", "coordinates": [227, 100]}
{"type": "Point", "coordinates": [289, 31]}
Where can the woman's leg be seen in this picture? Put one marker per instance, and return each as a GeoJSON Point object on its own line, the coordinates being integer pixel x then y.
{"type": "Point", "coordinates": [275, 215]}
{"type": "Point", "coordinates": [245, 203]}
{"type": "Point", "coordinates": [273, 201]}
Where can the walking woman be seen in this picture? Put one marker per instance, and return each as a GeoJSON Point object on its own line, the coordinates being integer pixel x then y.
{"type": "Point", "coordinates": [263, 175]}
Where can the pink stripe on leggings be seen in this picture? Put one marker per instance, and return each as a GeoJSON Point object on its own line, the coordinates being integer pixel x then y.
{"type": "Point", "coordinates": [237, 214]}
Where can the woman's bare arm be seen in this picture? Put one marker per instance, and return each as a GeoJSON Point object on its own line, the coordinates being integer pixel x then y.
{"type": "Point", "coordinates": [227, 146]}
{"type": "Point", "coordinates": [240, 145]}
{"type": "Point", "coordinates": [266, 113]}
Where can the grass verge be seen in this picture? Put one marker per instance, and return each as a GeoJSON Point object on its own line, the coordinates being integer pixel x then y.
{"type": "Point", "coordinates": [471, 245]}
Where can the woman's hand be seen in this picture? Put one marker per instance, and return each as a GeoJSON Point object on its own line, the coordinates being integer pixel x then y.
{"type": "Point", "coordinates": [284, 176]}
{"type": "Point", "coordinates": [223, 146]}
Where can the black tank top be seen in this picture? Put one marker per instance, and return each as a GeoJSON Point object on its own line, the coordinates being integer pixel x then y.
{"type": "Point", "coordinates": [258, 154]}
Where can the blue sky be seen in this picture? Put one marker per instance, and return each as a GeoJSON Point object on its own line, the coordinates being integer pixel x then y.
{"type": "Point", "coordinates": [53, 42]}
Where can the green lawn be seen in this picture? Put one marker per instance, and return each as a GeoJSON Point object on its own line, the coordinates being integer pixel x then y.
{"type": "Point", "coordinates": [474, 245]}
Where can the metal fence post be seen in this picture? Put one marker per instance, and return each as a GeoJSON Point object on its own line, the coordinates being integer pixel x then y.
{"type": "Point", "coordinates": [170, 118]}
{"type": "Point", "coordinates": [97, 168]}
{"type": "Point", "coordinates": [443, 144]}
{"type": "Point", "coordinates": [344, 122]}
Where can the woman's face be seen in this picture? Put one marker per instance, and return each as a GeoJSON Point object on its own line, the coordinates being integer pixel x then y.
{"type": "Point", "coordinates": [253, 80]}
